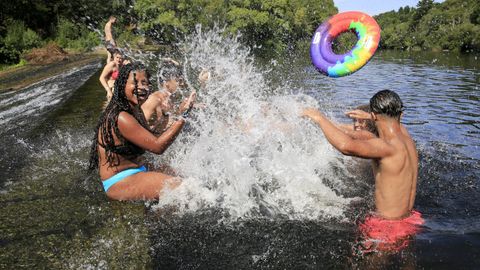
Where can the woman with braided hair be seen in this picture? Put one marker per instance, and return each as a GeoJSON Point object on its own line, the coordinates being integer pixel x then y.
{"type": "Point", "coordinates": [123, 135]}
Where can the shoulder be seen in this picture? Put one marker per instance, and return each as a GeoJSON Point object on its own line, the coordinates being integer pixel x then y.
{"type": "Point", "coordinates": [124, 118]}
{"type": "Point", "coordinates": [127, 123]}
{"type": "Point", "coordinates": [399, 145]}
{"type": "Point", "coordinates": [110, 65]}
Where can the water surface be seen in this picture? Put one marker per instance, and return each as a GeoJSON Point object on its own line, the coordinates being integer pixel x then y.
{"type": "Point", "coordinates": [263, 189]}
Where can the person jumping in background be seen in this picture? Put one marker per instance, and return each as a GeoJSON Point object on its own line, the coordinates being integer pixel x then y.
{"type": "Point", "coordinates": [122, 136]}
{"type": "Point", "coordinates": [395, 166]}
{"type": "Point", "coordinates": [110, 43]}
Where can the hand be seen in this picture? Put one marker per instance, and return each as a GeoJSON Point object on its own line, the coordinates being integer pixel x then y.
{"type": "Point", "coordinates": [200, 105]}
{"type": "Point", "coordinates": [359, 114]}
{"type": "Point", "coordinates": [158, 99]}
{"type": "Point", "coordinates": [170, 60]}
{"type": "Point", "coordinates": [109, 95]}
{"type": "Point", "coordinates": [311, 113]}
{"type": "Point", "coordinates": [187, 104]}
{"type": "Point", "coordinates": [155, 99]}
{"type": "Point", "coordinates": [204, 76]}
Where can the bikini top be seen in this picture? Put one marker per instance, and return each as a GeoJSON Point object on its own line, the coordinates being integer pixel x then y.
{"type": "Point", "coordinates": [126, 149]}
{"type": "Point", "coordinates": [114, 75]}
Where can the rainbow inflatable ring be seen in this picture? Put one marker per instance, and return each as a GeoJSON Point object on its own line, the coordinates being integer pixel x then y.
{"type": "Point", "coordinates": [334, 65]}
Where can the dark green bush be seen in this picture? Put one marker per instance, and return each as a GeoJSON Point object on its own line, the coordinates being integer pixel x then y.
{"type": "Point", "coordinates": [75, 37]}
{"type": "Point", "coordinates": [17, 40]}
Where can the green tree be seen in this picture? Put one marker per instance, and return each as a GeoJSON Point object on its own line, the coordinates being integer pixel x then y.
{"type": "Point", "coordinates": [76, 37]}
{"type": "Point", "coordinates": [475, 16]}
{"type": "Point", "coordinates": [270, 25]}
{"type": "Point", "coordinates": [423, 6]}
{"type": "Point", "coordinates": [450, 25]}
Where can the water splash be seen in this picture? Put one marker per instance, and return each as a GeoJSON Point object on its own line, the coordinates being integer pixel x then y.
{"type": "Point", "coordinates": [248, 152]}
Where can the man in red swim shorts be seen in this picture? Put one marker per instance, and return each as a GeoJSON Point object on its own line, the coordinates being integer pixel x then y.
{"type": "Point", "coordinates": [395, 166]}
{"type": "Point", "coordinates": [382, 234]}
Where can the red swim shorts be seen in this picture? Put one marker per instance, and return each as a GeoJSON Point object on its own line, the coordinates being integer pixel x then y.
{"type": "Point", "coordinates": [389, 235]}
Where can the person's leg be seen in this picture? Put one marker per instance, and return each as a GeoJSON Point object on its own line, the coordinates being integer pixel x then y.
{"type": "Point", "coordinates": [142, 186]}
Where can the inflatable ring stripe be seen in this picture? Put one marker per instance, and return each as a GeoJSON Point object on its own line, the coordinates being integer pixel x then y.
{"type": "Point", "coordinates": [334, 65]}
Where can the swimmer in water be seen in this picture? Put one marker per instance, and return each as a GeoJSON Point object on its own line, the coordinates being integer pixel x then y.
{"type": "Point", "coordinates": [395, 162]}
{"type": "Point", "coordinates": [110, 73]}
{"type": "Point", "coordinates": [158, 110]}
{"type": "Point", "coordinates": [123, 135]}
{"type": "Point", "coordinates": [360, 128]}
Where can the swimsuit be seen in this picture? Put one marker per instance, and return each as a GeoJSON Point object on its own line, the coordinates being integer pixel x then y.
{"type": "Point", "coordinates": [127, 150]}
{"type": "Point", "coordinates": [114, 75]}
{"type": "Point", "coordinates": [389, 235]}
{"type": "Point", "coordinates": [120, 176]}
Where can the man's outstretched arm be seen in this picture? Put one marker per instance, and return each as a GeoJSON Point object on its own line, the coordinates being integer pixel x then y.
{"type": "Point", "coordinates": [372, 148]}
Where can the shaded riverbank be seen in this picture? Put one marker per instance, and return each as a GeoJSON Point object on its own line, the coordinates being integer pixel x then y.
{"type": "Point", "coordinates": [18, 78]}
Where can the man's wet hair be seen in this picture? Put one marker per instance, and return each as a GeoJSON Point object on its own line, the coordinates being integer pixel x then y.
{"type": "Point", "coordinates": [388, 103]}
{"type": "Point", "coordinates": [107, 124]}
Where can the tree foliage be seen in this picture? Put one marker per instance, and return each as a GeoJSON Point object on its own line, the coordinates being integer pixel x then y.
{"type": "Point", "coordinates": [41, 20]}
{"type": "Point", "coordinates": [268, 25]}
{"type": "Point", "coordinates": [450, 25]}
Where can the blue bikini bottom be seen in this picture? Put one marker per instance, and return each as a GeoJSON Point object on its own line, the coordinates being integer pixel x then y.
{"type": "Point", "coordinates": [121, 175]}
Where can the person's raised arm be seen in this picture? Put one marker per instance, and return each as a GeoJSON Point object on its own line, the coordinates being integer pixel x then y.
{"type": "Point", "coordinates": [135, 133]}
{"type": "Point", "coordinates": [359, 134]}
{"type": "Point", "coordinates": [104, 78]}
{"type": "Point", "coordinates": [372, 148]}
{"type": "Point", "coordinates": [355, 134]}
{"type": "Point", "coordinates": [153, 103]}
{"type": "Point", "coordinates": [359, 114]}
{"type": "Point", "coordinates": [108, 33]}
{"type": "Point", "coordinates": [138, 135]}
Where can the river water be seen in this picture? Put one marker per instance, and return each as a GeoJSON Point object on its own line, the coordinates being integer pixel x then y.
{"type": "Point", "coordinates": [262, 188]}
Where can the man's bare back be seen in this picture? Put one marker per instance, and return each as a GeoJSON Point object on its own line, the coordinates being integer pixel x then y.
{"type": "Point", "coordinates": [394, 153]}
{"type": "Point", "coordinates": [396, 177]}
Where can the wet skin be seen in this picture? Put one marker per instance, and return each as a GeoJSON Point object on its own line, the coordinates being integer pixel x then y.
{"type": "Point", "coordinates": [106, 77]}
{"type": "Point", "coordinates": [395, 157]}
{"type": "Point", "coordinates": [143, 185]}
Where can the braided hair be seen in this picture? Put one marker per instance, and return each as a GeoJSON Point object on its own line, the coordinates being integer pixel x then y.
{"type": "Point", "coordinates": [107, 124]}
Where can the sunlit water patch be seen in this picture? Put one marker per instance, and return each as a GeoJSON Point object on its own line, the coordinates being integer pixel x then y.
{"type": "Point", "coordinates": [19, 108]}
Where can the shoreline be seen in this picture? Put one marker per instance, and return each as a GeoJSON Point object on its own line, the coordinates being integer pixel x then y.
{"type": "Point", "coordinates": [21, 77]}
